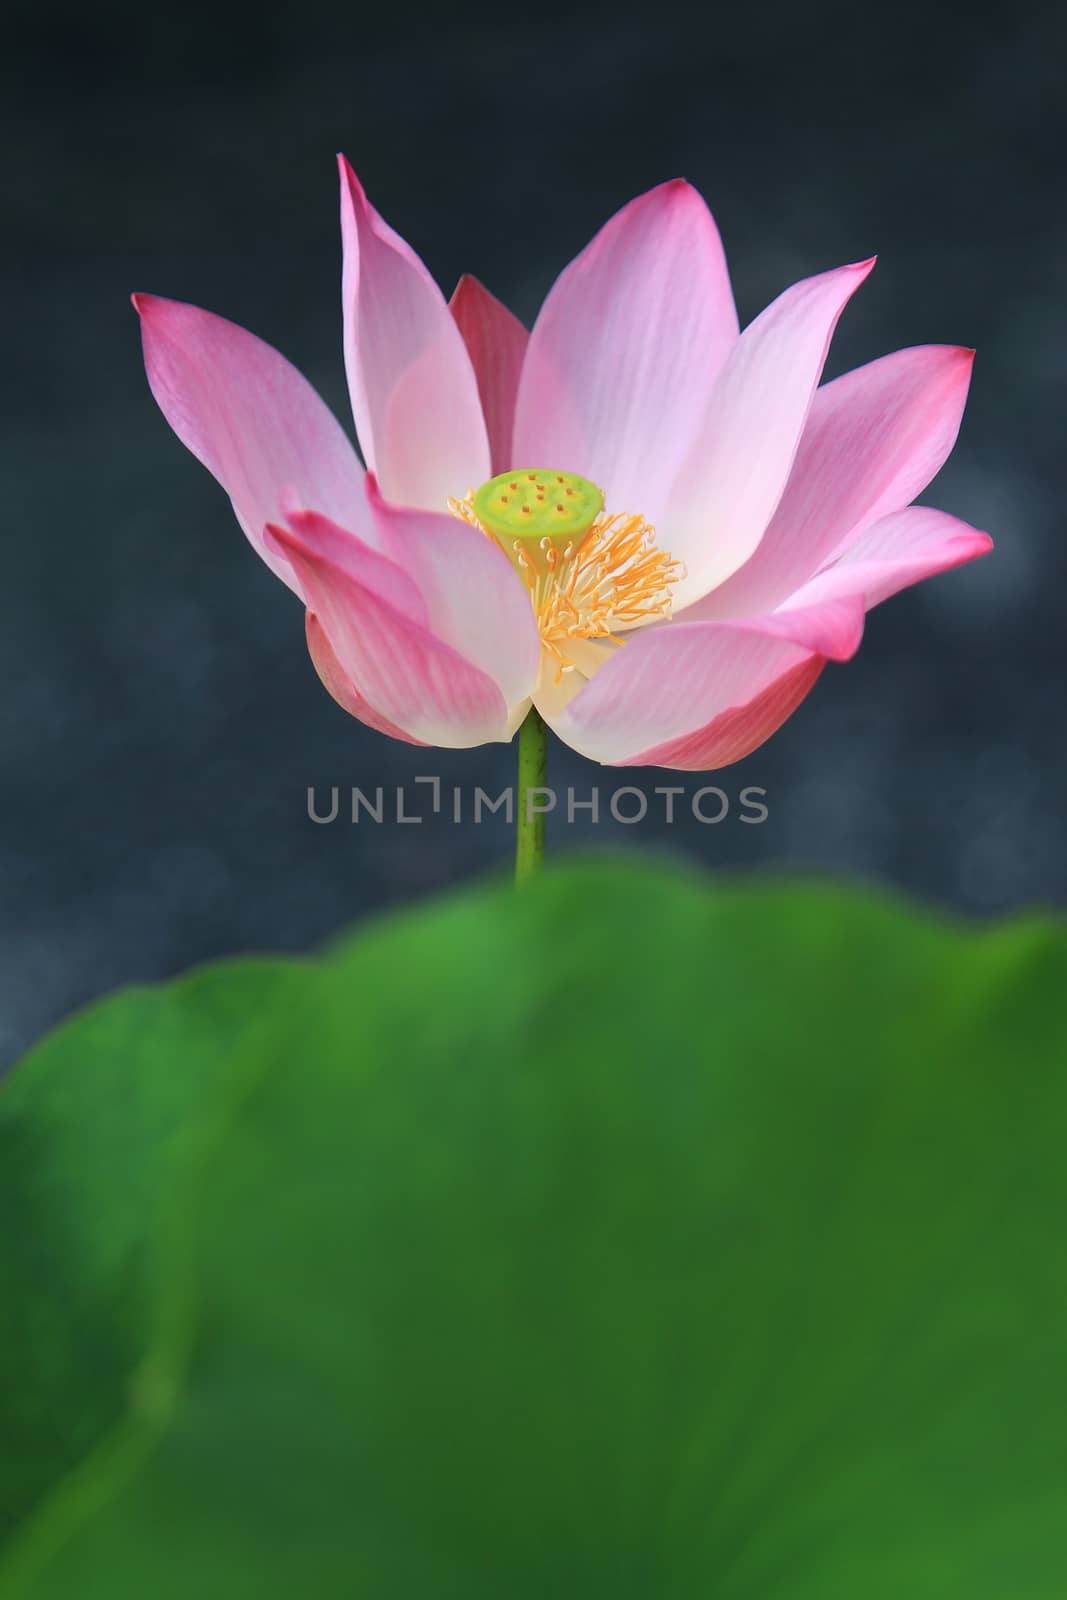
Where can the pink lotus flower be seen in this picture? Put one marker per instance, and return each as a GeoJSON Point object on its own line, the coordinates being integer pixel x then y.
{"type": "Point", "coordinates": [653, 526]}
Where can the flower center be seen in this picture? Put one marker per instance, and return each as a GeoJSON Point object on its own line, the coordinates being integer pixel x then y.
{"type": "Point", "coordinates": [559, 506]}
{"type": "Point", "coordinates": [590, 575]}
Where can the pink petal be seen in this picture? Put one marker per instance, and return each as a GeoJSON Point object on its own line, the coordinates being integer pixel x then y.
{"type": "Point", "coordinates": [381, 644]}
{"type": "Point", "coordinates": [473, 596]}
{"type": "Point", "coordinates": [623, 356]}
{"type": "Point", "coordinates": [375, 570]}
{"type": "Point", "coordinates": [733, 735]}
{"type": "Point", "coordinates": [339, 685]}
{"type": "Point", "coordinates": [496, 343]}
{"type": "Point", "coordinates": [873, 440]}
{"type": "Point", "coordinates": [898, 550]}
{"type": "Point", "coordinates": [413, 388]}
{"type": "Point", "coordinates": [249, 416]}
{"type": "Point", "coordinates": [738, 466]}
{"type": "Point", "coordinates": [666, 689]}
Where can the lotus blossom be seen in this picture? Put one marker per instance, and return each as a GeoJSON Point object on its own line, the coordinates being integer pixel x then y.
{"type": "Point", "coordinates": [652, 526]}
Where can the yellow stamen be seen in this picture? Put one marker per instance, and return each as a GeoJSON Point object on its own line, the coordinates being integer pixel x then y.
{"type": "Point", "coordinates": [610, 577]}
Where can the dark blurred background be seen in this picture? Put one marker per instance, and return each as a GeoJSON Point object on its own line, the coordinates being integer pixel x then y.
{"type": "Point", "coordinates": [161, 721]}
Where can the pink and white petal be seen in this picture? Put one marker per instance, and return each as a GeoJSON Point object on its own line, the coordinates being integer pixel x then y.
{"type": "Point", "coordinates": [408, 676]}
{"type": "Point", "coordinates": [414, 393]}
{"type": "Point", "coordinates": [250, 417]}
{"type": "Point", "coordinates": [622, 359]}
{"type": "Point", "coordinates": [556, 689]}
{"type": "Point", "coordinates": [897, 551]}
{"type": "Point", "coordinates": [734, 734]}
{"type": "Point", "coordinates": [738, 466]}
{"type": "Point", "coordinates": [496, 343]}
{"type": "Point", "coordinates": [404, 672]}
{"type": "Point", "coordinates": [517, 715]}
{"type": "Point", "coordinates": [376, 570]}
{"type": "Point", "coordinates": [340, 687]}
{"type": "Point", "coordinates": [667, 687]}
{"type": "Point", "coordinates": [873, 440]}
{"type": "Point", "coordinates": [474, 599]}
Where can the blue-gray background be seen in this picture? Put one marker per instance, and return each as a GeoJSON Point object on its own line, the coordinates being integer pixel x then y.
{"type": "Point", "coordinates": [161, 722]}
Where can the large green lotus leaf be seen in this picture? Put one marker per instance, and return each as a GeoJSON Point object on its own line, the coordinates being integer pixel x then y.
{"type": "Point", "coordinates": [97, 1127]}
{"type": "Point", "coordinates": [624, 1237]}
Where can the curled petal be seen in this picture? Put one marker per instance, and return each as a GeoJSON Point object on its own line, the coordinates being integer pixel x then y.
{"type": "Point", "coordinates": [413, 389]}
{"type": "Point", "coordinates": [474, 599]}
{"type": "Point", "coordinates": [251, 418]}
{"type": "Point", "coordinates": [655, 700]}
{"type": "Point", "coordinates": [377, 628]}
{"type": "Point", "coordinates": [734, 734]}
{"type": "Point", "coordinates": [340, 687]}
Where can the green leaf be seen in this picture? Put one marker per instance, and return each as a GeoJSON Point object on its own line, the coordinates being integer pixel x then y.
{"type": "Point", "coordinates": [97, 1128]}
{"type": "Point", "coordinates": [626, 1236]}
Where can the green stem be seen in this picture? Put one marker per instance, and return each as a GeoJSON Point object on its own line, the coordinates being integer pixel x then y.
{"type": "Point", "coordinates": [533, 767]}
